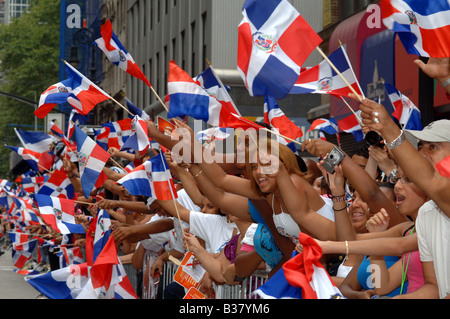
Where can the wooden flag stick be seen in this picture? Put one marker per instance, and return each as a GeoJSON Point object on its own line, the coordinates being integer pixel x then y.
{"type": "Point", "coordinates": [353, 111]}
{"type": "Point", "coordinates": [115, 101]}
{"type": "Point", "coordinates": [338, 72]}
{"type": "Point", "coordinates": [161, 101]}
{"type": "Point", "coordinates": [283, 136]}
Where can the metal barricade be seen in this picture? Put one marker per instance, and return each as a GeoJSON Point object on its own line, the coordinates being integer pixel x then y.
{"type": "Point", "coordinates": [244, 290]}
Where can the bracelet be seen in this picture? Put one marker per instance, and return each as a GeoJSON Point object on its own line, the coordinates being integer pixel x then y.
{"type": "Point", "coordinates": [445, 83]}
{"type": "Point", "coordinates": [398, 141]}
{"type": "Point", "coordinates": [71, 176]}
{"type": "Point", "coordinates": [340, 210]}
{"type": "Point", "coordinates": [128, 213]}
{"type": "Point", "coordinates": [337, 199]}
{"type": "Point", "coordinates": [347, 251]}
{"type": "Point", "coordinates": [198, 174]}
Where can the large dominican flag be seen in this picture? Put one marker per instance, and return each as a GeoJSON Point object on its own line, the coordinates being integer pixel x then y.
{"type": "Point", "coordinates": [273, 43]}
{"type": "Point", "coordinates": [151, 179]}
{"type": "Point", "coordinates": [91, 159]}
{"type": "Point", "coordinates": [423, 26]}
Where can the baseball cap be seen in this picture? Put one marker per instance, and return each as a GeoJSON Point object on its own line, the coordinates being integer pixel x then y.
{"type": "Point", "coordinates": [437, 131]}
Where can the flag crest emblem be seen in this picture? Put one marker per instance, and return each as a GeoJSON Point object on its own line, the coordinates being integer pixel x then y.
{"type": "Point", "coordinates": [264, 42]}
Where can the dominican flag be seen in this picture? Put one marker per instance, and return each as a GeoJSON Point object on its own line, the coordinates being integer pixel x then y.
{"type": "Point", "coordinates": [75, 118]}
{"type": "Point", "coordinates": [87, 94]}
{"type": "Point", "coordinates": [273, 42]}
{"type": "Point", "coordinates": [113, 134]}
{"type": "Point", "coordinates": [64, 283]}
{"type": "Point", "coordinates": [187, 98]}
{"type": "Point", "coordinates": [405, 112]}
{"type": "Point", "coordinates": [214, 86]}
{"type": "Point", "coordinates": [116, 53]}
{"type": "Point", "coordinates": [59, 213]}
{"type": "Point", "coordinates": [107, 277]}
{"type": "Point", "coordinates": [31, 184]}
{"type": "Point", "coordinates": [422, 26]}
{"type": "Point", "coordinates": [351, 124]}
{"type": "Point", "coordinates": [36, 141]}
{"type": "Point", "coordinates": [58, 93]}
{"type": "Point", "coordinates": [279, 122]}
{"type": "Point", "coordinates": [328, 126]}
{"type": "Point", "coordinates": [323, 79]}
{"type": "Point", "coordinates": [91, 159]}
{"type": "Point", "coordinates": [136, 111]}
{"type": "Point", "coordinates": [58, 185]}
{"type": "Point", "coordinates": [26, 210]}
{"type": "Point", "coordinates": [214, 133]}
{"type": "Point", "coordinates": [21, 253]}
{"type": "Point", "coordinates": [302, 277]}
{"type": "Point", "coordinates": [70, 256]}
{"type": "Point", "coordinates": [151, 179]}
{"type": "Point", "coordinates": [31, 157]}
{"type": "Point", "coordinates": [138, 139]}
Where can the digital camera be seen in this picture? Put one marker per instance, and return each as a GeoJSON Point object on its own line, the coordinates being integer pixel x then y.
{"type": "Point", "coordinates": [333, 159]}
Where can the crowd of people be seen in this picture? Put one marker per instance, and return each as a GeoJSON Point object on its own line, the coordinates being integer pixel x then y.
{"type": "Point", "coordinates": [381, 215]}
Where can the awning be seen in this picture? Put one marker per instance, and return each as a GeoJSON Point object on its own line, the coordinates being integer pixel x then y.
{"type": "Point", "coordinates": [352, 32]}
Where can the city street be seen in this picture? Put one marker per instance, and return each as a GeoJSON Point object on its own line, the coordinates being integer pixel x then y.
{"type": "Point", "coordinates": [13, 285]}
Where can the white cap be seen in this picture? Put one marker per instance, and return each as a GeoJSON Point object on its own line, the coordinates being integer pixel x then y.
{"type": "Point", "coordinates": [437, 131]}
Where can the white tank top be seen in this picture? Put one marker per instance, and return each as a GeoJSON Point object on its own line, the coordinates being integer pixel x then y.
{"type": "Point", "coordinates": [285, 224]}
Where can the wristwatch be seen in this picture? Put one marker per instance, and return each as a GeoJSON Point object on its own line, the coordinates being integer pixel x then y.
{"type": "Point", "coordinates": [392, 178]}
{"type": "Point", "coordinates": [398, 141]}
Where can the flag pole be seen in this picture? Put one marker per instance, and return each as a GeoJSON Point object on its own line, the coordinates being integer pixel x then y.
{"type": "Point", "coordinates": [353, 111]}
{"type": "Point", "coordinates": [161, 101]}
{"type": "Point", "coordinates": [338, 73]}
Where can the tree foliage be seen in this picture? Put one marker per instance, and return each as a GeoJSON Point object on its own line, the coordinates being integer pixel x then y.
{"type": "Point", "coordinates": [29, 63]}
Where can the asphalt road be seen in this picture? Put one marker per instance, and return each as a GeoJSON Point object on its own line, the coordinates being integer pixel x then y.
{"type": "Point", "coordinates": [13, 285]}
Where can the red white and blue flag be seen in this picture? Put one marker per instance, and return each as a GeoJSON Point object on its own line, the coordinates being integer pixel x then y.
{"type": "Point", "coordinates": [64, 283]}
{"type": "Point", "coordinates": [31, 157]}
{"type": "Point", "coordinates": [405, 112]}
{"type": "Point", "coordinates": [423, 26]}
{"type": "Point", "coordinates": [351, 124]}
{"type": "Point", "coordinates": [328, 126]}
{"type": "Point", "coordinates": [77, 90]}
{"type": "Point", "coordinates": [323, 79]}
{"type": "Point", "coordinates": [136, 111]}
{"type": "Point", "coordinates": [87, 94]}
{"type": "Point", "coordinates": [302, 277]}
{"type": "Point", "coordinates": [113, 134]}
{"type": "Point", "coordinates": [91, 159]}
{"type": "Point", "coordinates": [151, 179]}
{"type": "Point", "coordinates": [70, 256]}
{"type": "Point", "coordinates": [279, 122]}
{"type": "Point", "coordinates": [274, 41]}
{"type": "Point", "coordinates": [214, 86]}
{"type": "Point", "coordinates": [58, 185]}
{"type": "Point", "coordinates": [59, 213]}
{"type": "Point", "coordinates": [111, 46]}
{"type": "Point", "coordinates": [36, 141]}
{"type": "Point", "coordinates": [138, 139]}
{"type": "Point", "coordinates": [187, 98]}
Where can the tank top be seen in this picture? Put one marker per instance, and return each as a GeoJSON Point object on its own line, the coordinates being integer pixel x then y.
{"type": "Point", "coordinates": [285, 224]}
